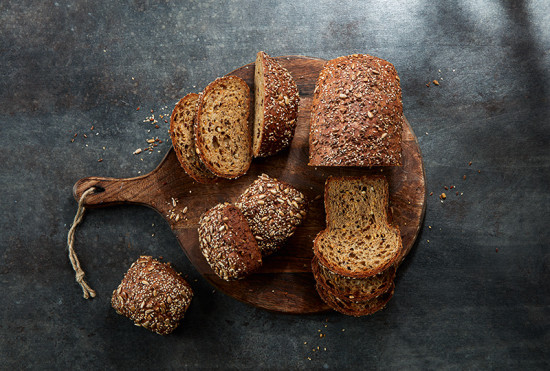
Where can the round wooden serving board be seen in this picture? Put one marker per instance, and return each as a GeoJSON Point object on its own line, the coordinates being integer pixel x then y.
{"type": "Point", "coordinates": [284, 283]}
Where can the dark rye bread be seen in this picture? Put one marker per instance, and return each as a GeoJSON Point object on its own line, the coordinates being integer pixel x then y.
{"type": "Point", "coordinates": [352, 307]}
{"type": "Point", "coordinates": [276, 101]}
{"type": "Point", "coordinates": [153, 295]}
{"type": "Point", "coordinates": [273, 210]}
{"type": "Point", "coordinates": [183, 139]}
{"type": "Point", "coordinates": [227, 242]}
{"type": "Point", "coordinates": [358, 242]}
{"type": "Point", "coordinates": [357, 114]}
{"type": "Point", "coordinates": [222, 134]}
{"type": "Point", "coordinates": [352, 288]}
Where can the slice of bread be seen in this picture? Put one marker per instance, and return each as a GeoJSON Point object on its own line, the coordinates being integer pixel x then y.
{"type": "Point", "coordinates": [352, 288]}
{"type": "Point", "coordinates": [227, 242]}
{"type": "Point", "coordinates": [355, 308]}
{"type": "Point", "coordinates": [276, 101]}
{"type": "Point", "coordinates": [183, 139]}
{"type": "Point", "coordinates": [356, 114]}
{"type": "Point", "coordinates": [222, 132]}
{"type": "Point", "coordinates": [358, 242]}
{"type": "Point", "coordinates": [273, 210]}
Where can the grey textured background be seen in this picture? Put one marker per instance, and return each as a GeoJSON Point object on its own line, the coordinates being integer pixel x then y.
{"type": "Point", "coordinates": [473, 293]}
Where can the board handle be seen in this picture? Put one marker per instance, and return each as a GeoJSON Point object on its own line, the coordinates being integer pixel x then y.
{"type": "Point", "coordinates": [111, 191]}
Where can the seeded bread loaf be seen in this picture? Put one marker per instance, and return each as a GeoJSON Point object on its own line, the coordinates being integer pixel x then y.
{"type": "Point", "coordinates": [222, 134]}
{"type": "Point", "coordinates": [227, 242]}
{"type": "Point", "coordinates": [357, 114]}
{"type": "Point", "coordinates": [153, 295]}
{"type": "Point", "coordinates": [273, 210]}
{"type": "Point", "coordinates": [352, 288]}
{"type": "Point", "coordinates": [353, 307]}
{"type": "Point", "coordinates": [358, 242]}
{"type": "Point", "coordinates": [276, 101]}
{"type": "Point", "coordinates": [183, 139]}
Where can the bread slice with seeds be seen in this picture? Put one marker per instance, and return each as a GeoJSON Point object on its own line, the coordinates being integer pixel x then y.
{"type": "Point", "coordinates": [352, 307]}
{"type": "Point", "coordinates": [276, 100]}
{"type": "Point", "coordinates": [153, 295]}
{"type": "Point", "coordinates": [352, 288]}
{"type": "Point", "coordinates": [273, 210]}
{"type": "Point", "coordinates": [356, 114]}
{"type": "Point", "coordinates": [222, 133]}
{"type": "Point", "coordinates": [227, 242]}
{"type": "Point", "coordinates": [358, 242]}
{"type": "Point", "coordinates": [183, 139]}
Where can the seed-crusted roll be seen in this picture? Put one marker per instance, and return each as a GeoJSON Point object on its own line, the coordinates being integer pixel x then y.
{"type": "Point", "coordinates": [153, 295]}
{"type": "Point", "coordinates": [273, 210]}
{"type": "Point", "coordinates": [227, 242]}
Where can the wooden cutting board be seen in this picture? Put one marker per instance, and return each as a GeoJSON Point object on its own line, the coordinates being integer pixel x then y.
{"type": "Point", "coordinates": [284, 283]}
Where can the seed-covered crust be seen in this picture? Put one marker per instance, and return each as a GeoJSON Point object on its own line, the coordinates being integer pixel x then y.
{"type": "Point", "coordinates": [183, 139]}
{"type": "Point", "coordinates": [352, 307]}
{"type": "Point", "coordinates": [153, 295]}
{"type": "Point", "coordinates": [352, 288]}
{"type": "Point", "coordinates": [222, 133]}
{"type": "Point", "coordinates": [276, 100]}
{"type": "Point", "coordinates": [359, 242]}
{"type": "Point", "coordinates": [227, 242]}
{"type": "Point", "coordinates": [273, 210]}
{"type": "Point", "coordinates": [357, 114]}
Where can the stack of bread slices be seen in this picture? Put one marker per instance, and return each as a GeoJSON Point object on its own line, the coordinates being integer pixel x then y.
{"type": "Point", "coordinates": [356, 255]}
{"type": "Point", "coordinates": [211, 131]}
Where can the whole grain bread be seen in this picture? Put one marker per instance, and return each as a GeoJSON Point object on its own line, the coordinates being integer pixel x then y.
{"type": "Point", "coordinates": [352, 307]}
{"type": "Point", "coordinates": [276, 101]}
{"type": "Point", "coordinates": [357, 114]}
{"type": "Point", "coordinates": [227, 242]}
{"type": "Point", "coordinates": [358, 242]}
{"type": "Point", "coordinates": [352, 288]}
{"type": "Point", "coordinates": [222, 133]}
{"type": "Point", "coordinates": [153, 295]}
{"type": "Point", "coordinates": [183, 139]}
{"type": "Point", "coordinates": [273, 210]}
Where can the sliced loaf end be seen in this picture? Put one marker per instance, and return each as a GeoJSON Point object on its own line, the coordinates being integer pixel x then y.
{"type": "Point", "coordinates": [276, 100]}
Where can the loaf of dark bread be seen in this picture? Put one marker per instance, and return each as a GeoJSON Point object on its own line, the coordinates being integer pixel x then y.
{"type": "Point", "coordinates": [222, 133]}
{"type": "Point", "coordinates": [183, 139]}
{"type": "Point", "coordinates": [353, 307]}
{"type": "Point", "coordinates": [358, 242]}
{"type": "Point", "coordinates": [153, 295]}
{"type": "Point", "coordinates": [276, 101]}
{"type": "Point", "coordinates": [273, 210]}
{"type": "Point", "coordinates": [352, 288]}
{"type": "Point", "coordinates": [227, 242]}
{"type": "Point", "coordinates": [356, 114]}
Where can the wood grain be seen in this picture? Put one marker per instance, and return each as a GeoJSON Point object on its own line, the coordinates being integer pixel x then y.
{"type": "Point", "coordinates": [284, 283]}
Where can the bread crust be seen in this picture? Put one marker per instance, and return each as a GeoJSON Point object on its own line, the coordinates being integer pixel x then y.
{"type": "Point", "coordinates": [357, 114]}
{"type": "Point", "coordinates": [227, 243]}
{"type": "Point", "coordinates": [280, 100]}
{"type": "Point", "coordinates": [189, 160]}
{"type": "Point", "coordinates": [355, 308]}
{"type": "Point", "coordinates": [245, 144]}
{"type": "Point", "coordinates": [367, 272]}
{"type": "Point", "coordinates": [348, 288]}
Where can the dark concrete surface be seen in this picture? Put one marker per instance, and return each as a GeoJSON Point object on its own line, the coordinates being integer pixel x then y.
{"type": "Point", "coordinates": [473, 294]}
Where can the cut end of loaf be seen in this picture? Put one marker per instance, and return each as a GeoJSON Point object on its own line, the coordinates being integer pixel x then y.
{"type": "Point", "coordinates": [276, 106]}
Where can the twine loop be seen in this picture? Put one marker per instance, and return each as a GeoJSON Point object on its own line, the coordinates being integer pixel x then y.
{"type": "Point", "coordinates": [79, 273]}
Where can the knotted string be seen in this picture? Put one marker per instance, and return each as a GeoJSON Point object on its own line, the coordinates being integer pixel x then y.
{"type": "Point", "coordinates": [79, 273]}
